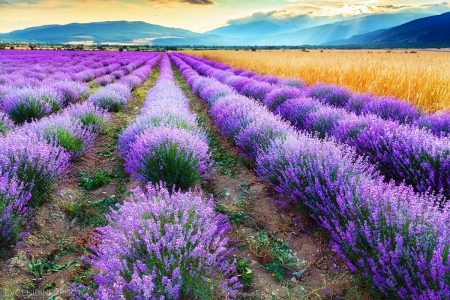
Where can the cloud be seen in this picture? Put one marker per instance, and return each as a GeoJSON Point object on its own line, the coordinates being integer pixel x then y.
{"type": "Point", "coordinates": [195, 2]}
{"type": "Point", "coordinates": [317, 12]}
{"type": "Point", "coordinates": [4, 3]}
{"type": "Point", "coordinates": [275, 15]}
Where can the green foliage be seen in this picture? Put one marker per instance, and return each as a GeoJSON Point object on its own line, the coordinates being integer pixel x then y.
{"type": "Point", "coordinates": [279, 257]}
{"type": "Point", "coordinates": [39, 268]}
{"type": "Point", "coordinates": [277, 271]}
{"type": "Point", "coordinates": [3, 129]}
{"type": "Point", "coordinates": [27, 112]}
{"type": "Point", "coordinates": [235, 216]}
{"type": "Point", "coordinates": [222, 158]}
{"type": "Point", "coordinates": [99, 179]}
{"type": "Point", "coordinates": [244, 273]}
{"type": "Point", "coordinates": [180, 167]}
{"type": "Point", "coordinates": [90, 119]}
{"type": "Point", "coordinates": [63, 138]}
{"type": "Point", "coordinates": [91, 213]}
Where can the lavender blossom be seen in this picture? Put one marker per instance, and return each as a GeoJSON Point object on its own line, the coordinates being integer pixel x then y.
{"type": "Point", "coordinates": [33, 161]}
{"type": "Point", "coordinates": [330, 94]}
{"type": "Point", "coordinates": [13, 209]}
{"type": "Point", "coordinates": [170, 154]}
{"type": "Point", "coordinates": [277, 96]}
{"type": "Point", "coordinates": [111, 97]}
{"type": "Point", "coordinates": [26, 104]}
{"type": "Point", "coordinates": [162, 245]}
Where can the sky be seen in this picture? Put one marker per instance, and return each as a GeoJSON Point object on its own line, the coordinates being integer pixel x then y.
{"type": "Point", "coordinates": [195, 15]}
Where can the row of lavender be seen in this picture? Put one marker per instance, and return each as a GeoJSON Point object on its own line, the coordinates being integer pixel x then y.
{"type": "Point", "coordinates": [30, 69]}
{"type": "Point", "coordinates": [394, 236]}
{"type": "Point", "coordinates": [35, 155]}
{"type": "Point", "coordinates": [27, 95]}
{"type": "Point", "coordinates": [178, 247]}
{"type": "Point", "coordinates": [400, 151]}
{"type": "Point", "coordinates": [387, 108]}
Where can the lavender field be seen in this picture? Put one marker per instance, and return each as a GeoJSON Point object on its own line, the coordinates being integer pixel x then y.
{"type": "Point", "coordinates": [148, 175]}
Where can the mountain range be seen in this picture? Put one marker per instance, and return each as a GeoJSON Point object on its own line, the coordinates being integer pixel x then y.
{"type": "Point", "coordinates": [404, 29]}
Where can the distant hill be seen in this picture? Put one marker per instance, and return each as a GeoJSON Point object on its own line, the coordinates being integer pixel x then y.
{"type": "Point", "coordinates": [312, 31]}
{"type": "Point", "coordinates": [250, 30]}
{"type": "Point", "coordinates": [429, 32]}
{"type": "Point", "coordinates": [98, 32]}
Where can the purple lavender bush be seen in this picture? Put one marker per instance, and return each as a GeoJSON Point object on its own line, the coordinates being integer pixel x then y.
{"type": "Point", "coordinates": [390, 108]}
{"type": "Point", "coordinates": [293, 82]}
{"type": "Point", "coordinates": [13, 209]}
{"type": "Point", "coordinates": [438, 123]}
{"type": "Point", "coordinates": [70, 91]}
{"type": "Point", "coordinates": [118, 74]}
{"type": "Point", "coordinates": [34, 162]}
{"type": "Point", "coordinates": [27, 104]}
{"type": "Point", "coordinates": [238, 83]}
{"type": "Point", "coordinates": [358, 102]}
{"type": "Point", "coordinates": [132, 81]}
{"type": "Point", "coordinates": [5, 124]}
{"type": "Point", "coordinates": [213, 90]}
{"type": "Point", "coordinates": [231, 114]}
{"type": "Point", "coordinates": [159, 116]}
{"type": "Point", "coordinates": [172, 155]}
{"type": "Point", "coordinates": [112, 97]}
{"type": "Point", "coordinates": [63, 131]}
{"type": "Point", "coordinates": [401, 152]}
{"type": "Point", "coordinates": [92, 117]}
{"type": "Point", "coordinates": [257, 90]}
{"type": "Point", "coordinates": [162, 245]}
{"type": "Point", "coordinates": [296, 110]}
{"type": "Point", "coordinates": [329, 94]}
{"type": "Point", "coordinates": [259, 134]}
{"type": "Point", "coordinates": [279, 95]}
{"type": "Point", "coordinates": [105, 80]}
{"type": "Point", "coordinates": [396, 237]}
{"type": "Point", "coordinates": [324, 120]}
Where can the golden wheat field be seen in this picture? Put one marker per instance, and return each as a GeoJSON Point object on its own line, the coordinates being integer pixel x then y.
{"type": "Point", "coordinates": [422, 77]}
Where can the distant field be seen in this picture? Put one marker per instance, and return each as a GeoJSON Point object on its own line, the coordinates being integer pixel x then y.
{"type": "Point", "coordinates": [422, 78]}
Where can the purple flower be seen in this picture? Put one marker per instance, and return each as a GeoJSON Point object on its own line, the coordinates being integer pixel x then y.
{"type": "Point", "coordinates": [154, 243]}
{"type": "Point", "coordinates": [33, 161]}
{"type": "Point", "coordinates": [277, 96]}
{"type": "Point", "coordinates": [111, 97]}
{"type": "Point", "coordinates": [70, 91]}
{"type": "Point", "coordinates": [438, 123]}
{"type": "Point", "coordinates": [105, 80]}
{"type": "Point", "coordinates": [13, 209]}
{"type": "Point", "coordinates": [64, 131]}
{"type": "Point", "coordinates": [92, 117]}
{"type": "Point", "coordinates": [24, 105]}
{"type": "Point", "coordinates": [330, 94]}
{"type": "Point", "coordinates": [170, 154]}
{"type": "Point", "coordinates": [5, 123]}
{"type": "Point", "coordinates": [389, 108]}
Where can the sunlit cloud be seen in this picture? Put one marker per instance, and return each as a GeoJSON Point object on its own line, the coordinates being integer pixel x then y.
{"type": "Point", "coordinates": [196, 2]}
{"type": "Point", "coordinates": [299, 10]}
